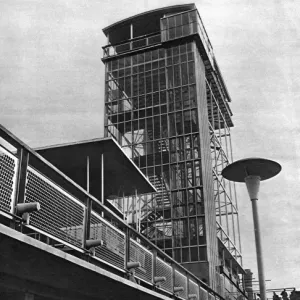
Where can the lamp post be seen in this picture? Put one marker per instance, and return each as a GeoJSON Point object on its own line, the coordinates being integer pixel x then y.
{"type": "Point", "coordinates": [252, 171]}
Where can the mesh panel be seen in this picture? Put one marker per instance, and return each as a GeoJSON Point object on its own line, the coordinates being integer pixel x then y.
{"type": "Point", "coordinates": [8, 168]}
{"type": "Point", "coordinates": [218, 283]}
{"type": "Point", "coordinates": [139, 254]}
{"type": "Point", "coordinates": [164, 270]}
{"type": "Point", "coordinates": [222, 288]}
{"type": "Point", "coordinates": [61, 215]}
{"type": "Point", "coordinates": [211, 297]}
{"type": "Point", "coordinates": [113, 249]}
{"type": "Point", "coordinates": [203, 294]}
{"type": "Point", "coordinates": [193, 288]}
{"type": "Point", "coordinates": [181, 280]}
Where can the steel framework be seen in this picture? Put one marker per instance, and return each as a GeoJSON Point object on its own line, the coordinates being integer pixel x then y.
{"type": "Point", "coordinates": [168, 107]}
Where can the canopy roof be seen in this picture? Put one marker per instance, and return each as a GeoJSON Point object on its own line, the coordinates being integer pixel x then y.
{"type": "Point", "coordinates": [150, 14]}
{"type": "Point", "coordinates": [121, 175]}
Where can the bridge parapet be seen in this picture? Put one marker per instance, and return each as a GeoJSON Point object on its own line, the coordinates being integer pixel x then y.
{"type": "Point", "coordinates": [70, 216]}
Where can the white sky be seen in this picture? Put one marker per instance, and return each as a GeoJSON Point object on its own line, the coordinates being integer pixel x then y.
{"type": "Point", "coordinates": [51, 91]}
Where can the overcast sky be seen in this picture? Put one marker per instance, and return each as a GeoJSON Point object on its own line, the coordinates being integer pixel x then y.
{"type": "Point", "coordinates": [52, 79]}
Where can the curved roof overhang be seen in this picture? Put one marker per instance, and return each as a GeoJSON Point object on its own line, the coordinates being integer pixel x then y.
{"type": "Point", "coordinates": [156, 12]}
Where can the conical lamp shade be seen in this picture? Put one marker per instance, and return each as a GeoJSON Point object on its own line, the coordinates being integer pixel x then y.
{"type": "Point", "coordinates": [252, 183]}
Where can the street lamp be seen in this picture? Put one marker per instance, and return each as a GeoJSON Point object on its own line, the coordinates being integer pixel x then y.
{"type": "Point", "coordinates": [252, 171]}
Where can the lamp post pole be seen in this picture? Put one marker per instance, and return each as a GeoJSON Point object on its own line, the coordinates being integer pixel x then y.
{"type": "Point", "coordinates": [259, 254]}
{"type": "Point", "coordinates": [253, 183]}
{"type": "Point", "coordinates": [252, 171]}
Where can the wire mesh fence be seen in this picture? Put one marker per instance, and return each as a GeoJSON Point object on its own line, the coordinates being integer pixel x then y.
{"type": "Point", "coordinates": [163, 269]}
{"type": "Point", "coordinates": [113, 249]}
{"type": "Point", "coordinates": [181, 281]}
{"type": "Point", "coordinates": [61, 215]}
{"type": "Point", "coordinates": [203, 294]}
{"type": "Point", "coordinates": [138, 253]}
{"type": "Point", "coordinates": [193, 288]}
{"type": "Point", "coordinates": [8, 172]}
{"type": "Point", "coordinates": [211, 297]}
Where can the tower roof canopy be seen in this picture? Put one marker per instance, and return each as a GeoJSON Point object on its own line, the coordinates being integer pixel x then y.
{"type": "Point", "coordinates": [148, 15]}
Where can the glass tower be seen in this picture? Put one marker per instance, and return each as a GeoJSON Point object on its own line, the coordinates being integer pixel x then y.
{"type": "Point", "coordinates": [168, 107]}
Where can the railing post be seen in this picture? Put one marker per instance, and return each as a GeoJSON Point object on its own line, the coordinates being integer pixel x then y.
{"type": "Point", "coordinates": [86, 222]}
{"type": "Point", "coordinates": [23, 156]}
{"type": "Point", "coordinates": [154, 253]}
{"type": "Point", "coordinates": [129, 266]}
{"type": "Point", "coordinates": [127, 247]}
{"type": "Point", "coordinates": [21, 177]}
{"type": "Point", "coordinates": [187, 286]}
{"type": "Point", "coordinates": [173, 280]}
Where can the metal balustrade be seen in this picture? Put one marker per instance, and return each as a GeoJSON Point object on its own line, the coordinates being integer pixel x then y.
{"type": "Point", "coordinates": [181, 281]}
{"type": "Point", "coordinates": [133, 44]}
{"type": "Point", "coordinates": [8, 172]}
{"type": "Point", "coordinates": [203, 294]}
{"type": "Point", "coordinates": [61, 216]}
{"type": "Point", "coordinates": [138, 253]}
{"type": "Point", "coordinates": [222, 287]}
{"type": "Point", "coordinates": [164, 270]}
{"type": "Point", "coordinates": [194, 289]}
{"type": "Point", "coordinates": [113, 249]}
{"type": "Point", "coordinates": [211, 297]}
{"type": "Point", "coordinates": [64, 218]}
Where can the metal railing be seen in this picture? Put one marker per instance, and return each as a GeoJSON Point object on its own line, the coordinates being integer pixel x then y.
{"type": "Point", "coordinates": [132, 44]}
{"type": "Point", "coordinates": [61, 215]}
{"type": "Point", "coordinates": [71, 218]}
{"type": "Point", "coordinates": [192, 25]}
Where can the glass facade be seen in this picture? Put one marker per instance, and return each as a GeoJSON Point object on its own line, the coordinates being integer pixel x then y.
{"type": "Point", "coordinates": [167, 106]}
{"type": "Point", "coordinates": [151, 110]}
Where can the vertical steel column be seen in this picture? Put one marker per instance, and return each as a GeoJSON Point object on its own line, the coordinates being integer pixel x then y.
{"type": "Point", "coordinates": [131, 35]}
{"type": "Point", "coordinates": [88, 174]}
{"type": "Point", "coordinates": [88, 208]}
{"type": "Point", "coordinates": [102, 182]}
